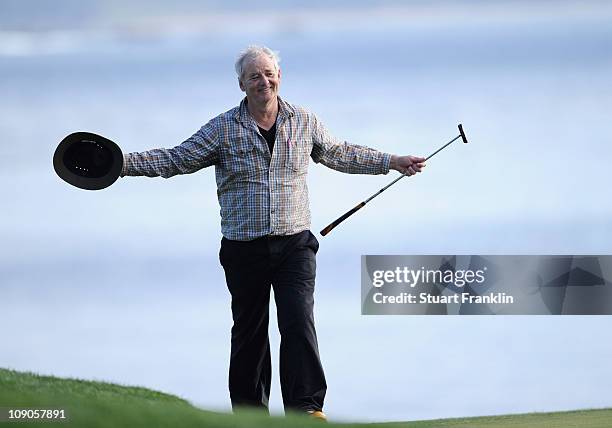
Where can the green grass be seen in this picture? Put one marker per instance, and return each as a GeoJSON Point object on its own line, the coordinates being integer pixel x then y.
{"type": "Point", "coordinates": [99, 404]}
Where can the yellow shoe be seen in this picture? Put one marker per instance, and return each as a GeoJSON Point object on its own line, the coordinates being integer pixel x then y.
{"type": "Point", "coordinates": [317, 414]}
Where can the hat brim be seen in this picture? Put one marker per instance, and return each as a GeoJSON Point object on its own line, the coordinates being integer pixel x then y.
{"type": "Point", "coordinates": [88, 161]}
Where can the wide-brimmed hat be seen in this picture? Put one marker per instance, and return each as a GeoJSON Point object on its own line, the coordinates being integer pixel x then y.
{"type": "Point", "coordinates": [88, 161]}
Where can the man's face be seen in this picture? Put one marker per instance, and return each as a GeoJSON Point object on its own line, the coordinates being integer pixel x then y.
{"type": "Point", "coordinates": [260, 79]}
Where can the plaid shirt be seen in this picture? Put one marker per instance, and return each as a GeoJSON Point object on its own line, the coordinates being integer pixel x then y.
{"type": "Point", "coordinates": [259, 194]}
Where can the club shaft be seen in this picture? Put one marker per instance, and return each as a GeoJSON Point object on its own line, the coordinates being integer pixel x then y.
{"type": "Point", "coordinates": [443, 147]}
{"type": "Point", "coordinates": [403, 175]}
{"type": "Point", "coordinates": [352, 211]}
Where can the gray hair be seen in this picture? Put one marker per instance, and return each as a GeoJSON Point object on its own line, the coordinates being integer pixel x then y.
{"type": "Point", "coordinates": [252, 52]}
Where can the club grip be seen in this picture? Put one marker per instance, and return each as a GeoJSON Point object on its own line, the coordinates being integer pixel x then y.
{"type": "Point", "coordinates": [343, 217]}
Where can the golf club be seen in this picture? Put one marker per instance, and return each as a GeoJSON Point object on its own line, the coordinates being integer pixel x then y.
{"type": "Point", "coordinates": [352, 211]}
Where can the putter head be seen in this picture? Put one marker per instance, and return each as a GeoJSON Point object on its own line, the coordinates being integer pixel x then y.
{"type": "Point", "coordinates": [462, 134]}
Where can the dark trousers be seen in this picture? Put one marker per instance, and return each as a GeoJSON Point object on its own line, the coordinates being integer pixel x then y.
{"type": "Point", "coordinates": [288, 264]}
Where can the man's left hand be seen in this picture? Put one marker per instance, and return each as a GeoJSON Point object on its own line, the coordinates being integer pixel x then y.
{"type": "Point", "coordinates": [407, 165]}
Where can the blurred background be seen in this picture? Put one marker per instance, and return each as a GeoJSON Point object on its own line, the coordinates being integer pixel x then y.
{"type": "Point", "coordinates": [124, 284]}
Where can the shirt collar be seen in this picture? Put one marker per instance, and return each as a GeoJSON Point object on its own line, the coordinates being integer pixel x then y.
{"type": "Point", "coordinates": [285, 110]}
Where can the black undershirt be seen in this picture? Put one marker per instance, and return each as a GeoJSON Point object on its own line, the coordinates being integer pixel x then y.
{"type": "Point", "coordinates": [269, 135]}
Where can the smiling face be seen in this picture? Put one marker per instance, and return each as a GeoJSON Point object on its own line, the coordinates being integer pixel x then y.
{"type": "Point", "coordinates": [260, 80]}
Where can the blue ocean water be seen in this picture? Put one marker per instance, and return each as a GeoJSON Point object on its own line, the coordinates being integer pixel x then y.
{"type": "Point", "coordinates": [124, 284]}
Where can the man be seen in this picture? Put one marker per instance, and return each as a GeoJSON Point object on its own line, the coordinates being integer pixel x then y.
{"type": "Point", "coordinates": [260, 150]}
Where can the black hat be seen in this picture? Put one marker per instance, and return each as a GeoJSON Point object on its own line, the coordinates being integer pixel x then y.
{"type": "Point", "coordinates": [88, 161]}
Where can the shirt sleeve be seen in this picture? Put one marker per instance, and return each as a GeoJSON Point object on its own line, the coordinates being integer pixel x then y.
{"type": "Point", "coordinates": [195, 153]}
{"type": "Point", "coordinates": [343, 156]}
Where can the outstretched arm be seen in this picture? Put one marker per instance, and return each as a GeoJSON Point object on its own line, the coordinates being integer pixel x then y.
{"type": "Point", "coordinates": [355, 159]}
{"type": "Point", "coordinates": [195, 153]}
